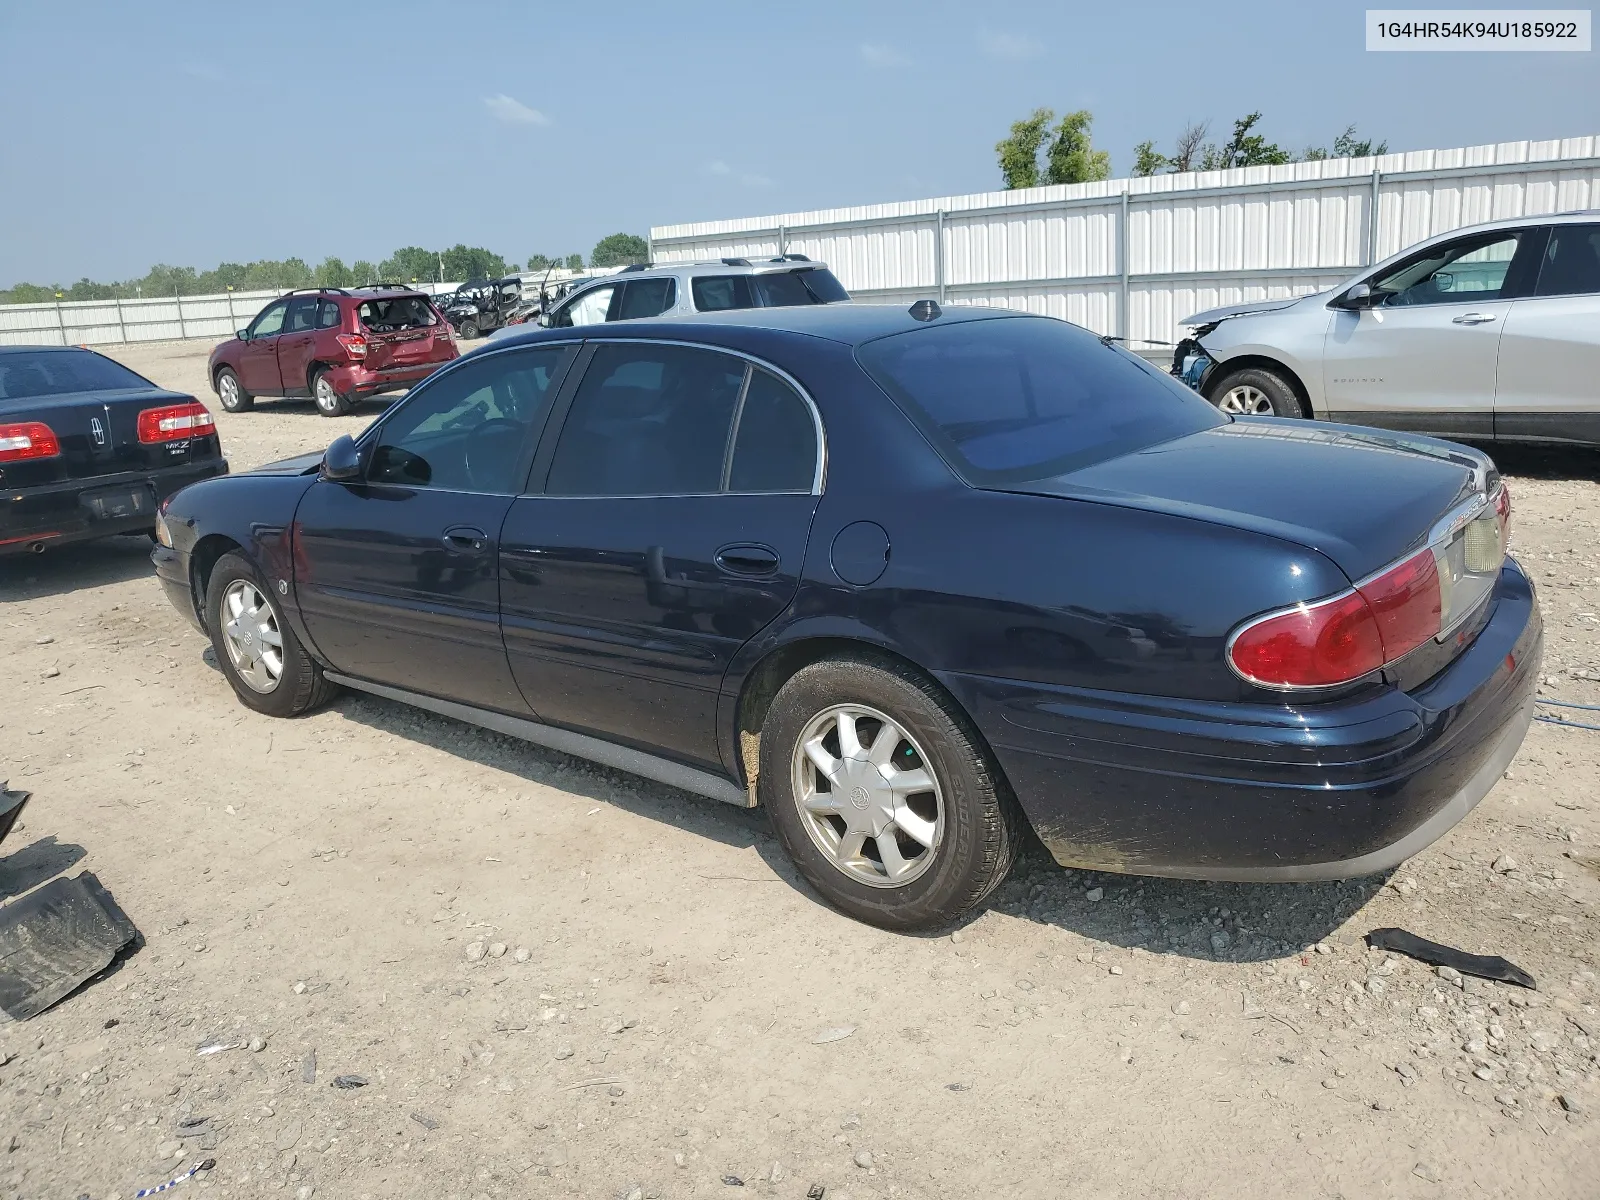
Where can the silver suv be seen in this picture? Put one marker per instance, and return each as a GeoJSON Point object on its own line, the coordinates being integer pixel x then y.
{"type": "Point", "coordinates": [1486, 333]}
{"type": "Point", "coordinates": [678, 289]}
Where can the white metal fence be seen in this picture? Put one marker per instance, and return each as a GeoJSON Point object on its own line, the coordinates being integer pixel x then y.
{"type": "Point", "coordinates": [149, 319]}
{"type": "Point", "coordinates": [1132, 257]}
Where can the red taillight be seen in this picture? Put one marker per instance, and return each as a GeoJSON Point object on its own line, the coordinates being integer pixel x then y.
{"type": "Point", "coordinates": [31, 439]}
{"type": "Point", "coordinates": [1342, 639]}
{"type": "Point", "coordinates": [175, 422]}
{"type": "Point", "coordinates": [354, 344]}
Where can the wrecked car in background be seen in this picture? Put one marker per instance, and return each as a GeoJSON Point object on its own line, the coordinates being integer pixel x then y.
{"type": "Point", "coordinates": [1490, 333]}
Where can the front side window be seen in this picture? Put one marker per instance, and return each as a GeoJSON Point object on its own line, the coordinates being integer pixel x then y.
{"type": "Point", "coordinates": [270, 321]}
{"type": "Point", "coordinates": [648, 420]}
{"type": "Point", "coordinates": [647, 298]}
{"type": "Point", "coordinates": [302, 315]}
{"type": "Point", "coordinates": [467, 430]}
{"type": "Point", "coordinates": [1009, 399]}
{"type": "Point", "coordinates": [587, 309]}
{"type": "Point", "coordinates": [1571, 265]}
{"type": "Point", "coordinates": [1463, 272]}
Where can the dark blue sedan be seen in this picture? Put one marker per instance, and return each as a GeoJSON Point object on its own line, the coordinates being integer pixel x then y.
{"type": "Point", "coordinates": [907, 579]}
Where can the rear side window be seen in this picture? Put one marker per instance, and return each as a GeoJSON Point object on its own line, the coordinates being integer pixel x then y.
{"type": "Point", "coordinates": [774, 441]}
{"type": "Point", "coordinates": [392, 313]}
{"type": "Point", "coordinates": [718, 293]}
{"type": "Point", "coordinates": [1009, 399]}
{"type": "Point", "coordinates": [1571, 265]}
{"type": "Point", "coordinates": [647, 298]}
{"type": "Point", "coordinates": [57, 372]}
{"type": "Point", "coordinates": [785, 289]}
{"type": "Point", "coordinates": [648, 420]}
{"type": "Point", "coordinates": [328, 315]}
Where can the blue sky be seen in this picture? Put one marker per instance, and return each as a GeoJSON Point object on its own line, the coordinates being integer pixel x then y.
{"type": "Point", "coordinates": [190, 133]}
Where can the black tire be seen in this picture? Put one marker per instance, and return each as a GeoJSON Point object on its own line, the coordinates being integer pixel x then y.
{"type": "Point", "coordinates": [981, 823]}
{"type": "Point", "coordinates": [329, 400]}
{"type": "Point", "coordinates": [301, 685]}
{"type": "Point", "coordinates": [469, 330]}
{"type": "Point", "coordinates": [1255, 392]}
{"type": "Point", "coordinates": [231, 394]}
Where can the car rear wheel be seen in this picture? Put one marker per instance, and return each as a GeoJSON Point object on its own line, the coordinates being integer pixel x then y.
{"type": "Point", "coordinates": [469, 330]}
{"type": "Point", "coordinates": [231, 394]}
{"type": "Point", "coordinates": [330, 401]}
{"type": "Point", "coordinates": [255, 647]}
{"type": "Point", "coordinates": [1255, 392]}
{"type": "Point", "coordinates": [883, 796]}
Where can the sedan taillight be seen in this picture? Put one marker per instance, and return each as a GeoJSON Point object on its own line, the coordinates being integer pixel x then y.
{"type": "Point", "coordinates": [354, 344]}
{"type": "Point", "coordinates": [30, 439]}
{"type": "Point", "coordinates": [175, 422]}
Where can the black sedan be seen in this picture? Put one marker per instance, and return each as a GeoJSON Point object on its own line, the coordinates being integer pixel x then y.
{"type": "Point", "coordinates": [905, 578]}
{"type": "Point", "coordinates": [88, 448]}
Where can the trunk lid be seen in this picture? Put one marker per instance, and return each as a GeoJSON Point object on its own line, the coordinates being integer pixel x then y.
{"type": "Point", "coordinates": [99, 435]}
{"type": "Point", "coordinates": [403, 331]}
{"type": "Point", "coordinates": [1363, 498]}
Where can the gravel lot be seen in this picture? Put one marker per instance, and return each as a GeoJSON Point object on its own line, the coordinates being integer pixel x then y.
{"type": "Point", "coordinates": [562, 981]}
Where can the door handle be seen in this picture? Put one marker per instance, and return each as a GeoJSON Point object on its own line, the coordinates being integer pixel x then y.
{"type": "Point", "coordinates": [465, 539]}
{"type": "Point", "coordinates": [1472, 319]}
{"type": "Point", "coordinates": [748, 559]}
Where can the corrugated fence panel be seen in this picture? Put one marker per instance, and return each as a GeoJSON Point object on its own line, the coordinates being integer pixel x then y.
{"type": "Point", "coordinates": [1192, 241]}
{"type": "Point", "coordinates": [103, 322]}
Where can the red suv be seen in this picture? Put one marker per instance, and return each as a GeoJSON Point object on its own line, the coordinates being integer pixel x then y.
{"type": "Point", "coordinates": [334, 346]}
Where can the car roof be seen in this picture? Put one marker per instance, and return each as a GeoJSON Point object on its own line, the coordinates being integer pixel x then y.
{"type": "Point", "coordinates": [849, 323]}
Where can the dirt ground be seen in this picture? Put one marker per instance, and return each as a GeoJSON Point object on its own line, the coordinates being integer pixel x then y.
{"type": "Point", "coordinates": [564, 981]}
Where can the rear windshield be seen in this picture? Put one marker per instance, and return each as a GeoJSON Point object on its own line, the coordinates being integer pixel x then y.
{"type": "Point", "coordinates": [776, 289]}
{"type": "Point", "coordinates": [1019, 398]}
{"type": "Point", "coordinates": [396, 312]}
{"type": "Point", "coordinates": [57, 372]}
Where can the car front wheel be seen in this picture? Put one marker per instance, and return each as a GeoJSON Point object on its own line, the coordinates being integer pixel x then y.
{"type": "Point", "coordinates": [330, 401]}
{"type": "Point", "coordinates": [255, 647]}
{"type": "Point", "coordinates": [231, 394]}
{"type": "Point", "coordinates": [883, 796]}
{"type": "Point", "coordinates": [469, 330]}
{"type": "Point", "coordinates": [1255, 392]}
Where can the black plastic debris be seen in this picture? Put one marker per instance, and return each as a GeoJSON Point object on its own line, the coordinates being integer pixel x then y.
{"type": "Point", "coordinates": [348, 1082]}
{"type": "Point", "coordinates": [10, 808]}
{"type": "Point", "coordinates": [55, 939]}
{"type": "Point", "coordinates": [815, 1192]}
{"type": "Point", "coordinates": [425, 1121]}
{"type": "Point", "coordinates": [1484, 966]}
{"type": "Point", "coordinates": [732, 1181]}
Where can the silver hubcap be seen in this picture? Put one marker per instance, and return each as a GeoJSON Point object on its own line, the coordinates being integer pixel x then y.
{"type": "Point", "coordinates": [326, 399]}
{"type": "Point", "coordinates": [1245, 401]}
{"type": "Point", "coordinates": [866, 796]}
{"type": "Point", "coordinates": [250, 631]}
{"type": "Point", "coordinates": [229, 387]}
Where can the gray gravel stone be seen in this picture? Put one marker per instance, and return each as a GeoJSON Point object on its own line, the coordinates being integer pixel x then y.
{"type": "Point", "coordinates": [863, 1158]}
{"type": "Point", "coordinates": [257, 1045]}
{"type": "Point", "coordinates": [476, 951]}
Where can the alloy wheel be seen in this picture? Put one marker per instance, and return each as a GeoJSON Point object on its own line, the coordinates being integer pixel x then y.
{"type": "Point", "coordinates": [327, 398]}
{"type": "Point", "coordinates": [1245, 401]}
{"type": "Point", "coordinates": [866, 795]}
{"type": "Point", "coordinates": [250, 632]}
{"type": "Point", "coordinates": [228, 392]}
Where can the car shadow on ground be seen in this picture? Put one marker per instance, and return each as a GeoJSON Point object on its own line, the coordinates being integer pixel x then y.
{"type": "Point", "coordinates": [74, 567]}
{"type": "Point", "coordinates": [1229, 922]}
{"type": "Point", "coordinates": [28, 866]}
{"type": "Point", "coordinates": [736, 827]}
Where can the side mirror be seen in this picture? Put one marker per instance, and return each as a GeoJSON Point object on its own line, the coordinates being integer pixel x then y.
{"type": "Point", "coordinates": [1360, 296]}
{"type": "Point", "coordinates": [544, 320]}
{"type": "Point", "coordinates": [242, 334]}
{"type": "Point", "coordinates": [342, 460]}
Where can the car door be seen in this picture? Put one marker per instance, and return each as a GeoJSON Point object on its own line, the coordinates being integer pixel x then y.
{"type": "Point", "coordinates": [671, 528]}
{"type": "Point", "coordinates": [396, 573]}
{"type": "Point", "coordinates": [297, 342]}
{"type": "Point", "coordinates": [1423, 358]}
{"type": "Point", "coordinates": [258, 358]}
{"type": "Point", "coordinates": [1548, 381]}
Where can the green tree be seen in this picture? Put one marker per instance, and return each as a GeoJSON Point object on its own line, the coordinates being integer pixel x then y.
{"type": "Point", "coordinates": [471, 262]}
{"type": "Point", "coordinates": [1348, 145]}
{"type": "Point", "coordinates": [1244, 149]}
{"type": "Point", "coordinates": [408, 263]}
{"type": "Point", "coordinates": [1019, 153]}
{"type": "Point", "coordinates": [1147, 160]}
{"type": "Point", "coordinates": [29, 293]}
{"type": "Point", "coordinates": [619, 250]}
{"type": "Point", "coordinates": [363, 272]}
{"type": "Point", "coordinates": [574, 262]}
{"type": "Point", "coordinates": [333, 273]}
{"type": "Point", "coordinates": [1071, 158]}
{"type": "Point", "coordinates": [542, 262]}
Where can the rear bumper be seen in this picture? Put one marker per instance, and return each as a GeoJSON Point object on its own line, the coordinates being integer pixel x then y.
{"type": "Point", "coordinates": [58, 513]}
{"type": "Point", "coordinates": [359, 381]}
{"type": "Point", "coordinates": [1196, 790]}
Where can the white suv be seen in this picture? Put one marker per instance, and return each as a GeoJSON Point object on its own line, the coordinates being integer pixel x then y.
{"type": "Point", "coordinates": [1487, 333]}
{"type": "Point", "coordinates": [678, 289]}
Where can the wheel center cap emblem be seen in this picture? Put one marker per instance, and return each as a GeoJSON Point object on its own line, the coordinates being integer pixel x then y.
{"type": "Point", "coordinates": [248, 638]}
{"type": "Point", "coordinates": [859, 797]}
